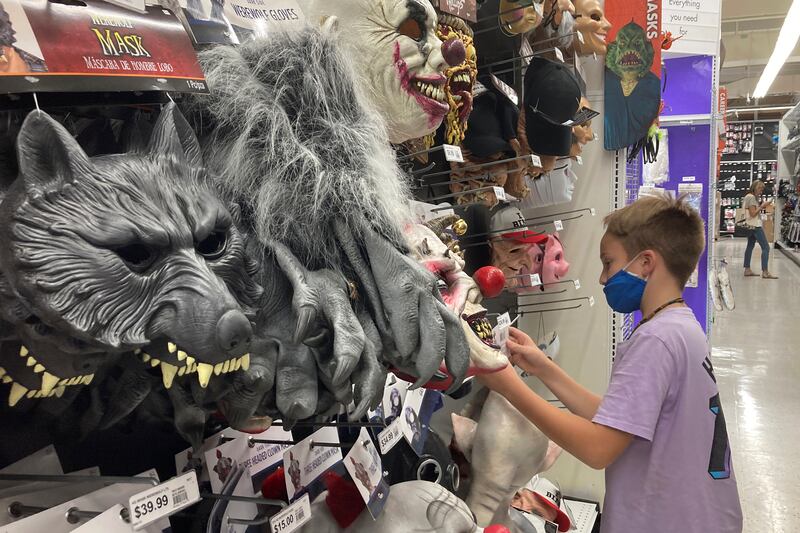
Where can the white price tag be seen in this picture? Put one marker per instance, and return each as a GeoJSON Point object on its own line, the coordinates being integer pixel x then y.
{"type": "Point", "coordinates": [559, 55]}
{"type": "Point", "coordinates": [500, 193]}
{"type": "Point", "coordinates": [453, 153]}
{"type": "Point", "coordinates": [500, 332]}
{"type": "Point", "coordinates": [591, 301]}
{"type": "Point", "coordinates": [293, 517]}
{"type": "Point", "coordinates": [559, 225]}
{"type": "Point", "coordinates": [580, 38]}
{"type": "Point", "coordinates": [593, 211]}
{"type": "Point", "coordinates": [535, 280]}
{"type": "Point", "coordinates": [163, 500]}
{"type": "Point", "coordinates": [579, 159]}
{"type": "Point", "coordinates": [389, 437]}
{"type": "Point", "coordinates": [688, 178]}
{"type": "Point", "coordinates": [536, 161]}
{"type": "Point", "coordinates": [577, 283]}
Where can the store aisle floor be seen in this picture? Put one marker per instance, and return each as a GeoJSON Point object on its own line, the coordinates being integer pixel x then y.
{"type": "Point", "coordinates": [757, 363]}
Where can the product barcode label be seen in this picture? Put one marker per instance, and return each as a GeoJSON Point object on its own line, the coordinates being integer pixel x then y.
{"type": "Point", "coordinates": [559, 55]}
{"type": "Point", "coordinates": [163, 500]}
{"type": "Point", "coordinates": [500, 193]}
{"type": "Point", "coordinates": [535, 280]}
{"type": "Point", "coordinates": [559, 225]}
{"type": "Point", "coordinates": [577, 283]}
{"type": "Point", "coordinates": [293, 517]}
{"type": "Point", "coordinates": [389, 437]}
{"type": "Point", "coordinates": [579, 159]}
{"type": "Point", "coordinates": [536, 161]}
{"type": "Point", "coordinates": [180, 495]}
{"type": "Point", "coordinates": [453, 153]}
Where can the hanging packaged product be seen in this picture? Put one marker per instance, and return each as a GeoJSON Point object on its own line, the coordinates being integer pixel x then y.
{"type": "Point", "coordinates": [305, 462]}
{"type": "Point", "coordinates": [364, 465]}
{"type": "Point", "coordinates": [55, 47]}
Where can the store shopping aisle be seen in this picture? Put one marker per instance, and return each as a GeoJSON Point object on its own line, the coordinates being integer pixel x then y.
{"type": "Point", "coordinates": [756, 356]}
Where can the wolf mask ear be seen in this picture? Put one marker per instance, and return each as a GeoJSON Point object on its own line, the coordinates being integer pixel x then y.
{"type": "Point", "coordinates": [48, 155]}
{"type": "Point", "coordinates": [172, 136]}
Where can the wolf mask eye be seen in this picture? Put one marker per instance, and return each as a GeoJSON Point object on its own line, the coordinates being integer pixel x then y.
{"type": "Point", "coordinates": [138, 257]}
{"type": "Point", "coordinates": [213, 247]}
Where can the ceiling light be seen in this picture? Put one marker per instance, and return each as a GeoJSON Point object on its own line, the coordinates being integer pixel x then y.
{"type": "Point", "coordinates": [787, 39]}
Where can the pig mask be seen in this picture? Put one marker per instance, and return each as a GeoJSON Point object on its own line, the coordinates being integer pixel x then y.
{"type": "Point", "coordinates": [398, 58]}
{"type": "Point", "coordinates": [554, 266]}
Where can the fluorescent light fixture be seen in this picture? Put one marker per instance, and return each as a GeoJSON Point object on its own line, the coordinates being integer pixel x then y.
{"type": "Point", "coordinates": [787, 39]}
{"type": "Point", "coordinates": [732, 110]}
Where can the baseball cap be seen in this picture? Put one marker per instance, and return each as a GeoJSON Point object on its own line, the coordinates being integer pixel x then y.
{"type": "Point", "coordinates": [552, 107]}
{"type": "Point", "coordinates": [508, 222]}
{"type": "Point", "coordinates": [548, 494]}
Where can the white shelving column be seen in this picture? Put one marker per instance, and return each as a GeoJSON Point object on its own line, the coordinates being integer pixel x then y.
{"type": "Point", "coordinates": [788, 150]}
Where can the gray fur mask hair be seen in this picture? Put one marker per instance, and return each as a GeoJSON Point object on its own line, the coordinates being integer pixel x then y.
{"type": "Point", "coordinates": [290, 138]}
{"type": "Point", "coordinates": [113, 253]}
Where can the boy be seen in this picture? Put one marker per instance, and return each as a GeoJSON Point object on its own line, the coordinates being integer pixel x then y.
{"type": "Point", "coordinates": [659, 431]}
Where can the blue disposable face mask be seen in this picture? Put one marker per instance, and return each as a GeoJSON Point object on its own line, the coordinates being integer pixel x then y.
{"type": "Point", "coordinates": [624, 291]}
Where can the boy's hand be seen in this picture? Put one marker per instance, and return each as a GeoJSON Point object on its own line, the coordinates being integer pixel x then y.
{"type": "Point", "coordinates": [524, 353]}
{"type": "Point", "coordinates": [500, 381]}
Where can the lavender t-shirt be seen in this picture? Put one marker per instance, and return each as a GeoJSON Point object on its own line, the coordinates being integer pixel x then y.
{"type": "Point", "coordinates": [676, 475]}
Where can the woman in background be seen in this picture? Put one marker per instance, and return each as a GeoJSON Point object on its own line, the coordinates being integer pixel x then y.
{"type": "Point", "coordinates": [753, 208]}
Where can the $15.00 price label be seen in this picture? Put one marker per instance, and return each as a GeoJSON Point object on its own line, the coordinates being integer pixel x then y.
{"type": "Point", "coordinates": [293, 517]}
{"type": "Point", "coordinates": [163, 500]}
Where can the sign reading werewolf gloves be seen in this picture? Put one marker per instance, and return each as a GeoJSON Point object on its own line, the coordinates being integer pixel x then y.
{"type": "Point", "coordinates": [633, 67]}
{"type": "Point", "coordinates": [47, 46]}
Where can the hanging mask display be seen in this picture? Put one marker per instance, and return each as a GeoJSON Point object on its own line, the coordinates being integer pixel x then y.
{"type": "Point", "coordinates": [520, 16]}
{"type": "Point", "coordinates": [462, 295]}
{"type": "Point", "coordinates": [14, 60]}
{"type": "Point", "coordinates": [398, 59]}
{"type": "Point", "coordinates": [593, 26]}
{"type": "Point", "coordinates": [632, 86]}
{"type": "Point", "coordinates": [460, 78]}
{"type": "Point", "coordinates": [150, 261]}
{"type": "Point", "coordinates": [325, 203]}
{"type": "Point", "coordinates": [555, 187]}
{"type": "Point", "coordinates": [582, 134]}
{"type": "Point", "coordinates": [554, 265]}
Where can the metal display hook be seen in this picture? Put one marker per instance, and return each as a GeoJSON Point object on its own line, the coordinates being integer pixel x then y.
{"type": "Point", "coordinates": [499, 13]}
{"type": "Point", "coordinates": [553, 216]}
{"type": "Point", "coordinates": [535, 53]}
{"type": "Point", "coordinates": [569, 60]}
{"type": "Point", "coordinates": [72, 516]}
{"type": "Point", "coordinates": [64, 478]}
{"type": "Point", "coordinates": [589, 299]}
{"type": "Point", "coordinates": [481, 165]}
{"type": "Point", "coordinates": [523, 313]}
{"type": "Point", "coordinates": [412, 155]}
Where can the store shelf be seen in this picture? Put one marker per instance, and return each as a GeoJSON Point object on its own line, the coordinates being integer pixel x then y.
{"type": "Point", "coordinates": [788, 251]}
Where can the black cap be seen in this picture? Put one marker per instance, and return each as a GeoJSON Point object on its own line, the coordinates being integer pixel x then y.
{"type": "Point", "coordinates": [492, 123]}
{"type": "Point", "coordinates": [552, 98]}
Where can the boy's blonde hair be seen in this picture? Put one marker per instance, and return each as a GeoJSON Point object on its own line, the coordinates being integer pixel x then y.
{"type": "Point", "coordinates": [662, 223]}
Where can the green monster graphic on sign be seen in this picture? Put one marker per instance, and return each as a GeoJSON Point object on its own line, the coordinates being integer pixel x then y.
{"type": "Point", "coordinates": [633, 92]}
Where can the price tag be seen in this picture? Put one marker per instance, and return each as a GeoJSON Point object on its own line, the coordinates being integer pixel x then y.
{"type": "Point", "coordinates": [453, 153]}
{"type": "Point", "coordinates": [163, 500]}
{"type": "Point", "coordinates": [293, 517]}
{"type": "Point", "coordinates": [593, 211]}
{"type": "Point", "coordinates": [577, 283]}
{"type": "Point", "coordinates": [591, 301]}
{"type": "Point", "coordinates": [389, 437]}
{"type": "Point", "coordinates": [559, 225]}
{"type": "Point", "coordinates": [501, 332]}
{"type": "Point", "coordinates": [579, 159]}
{"type": "Point", "coordinates": [536, 161]}
{"type": "Point", "coordinates": [580, 38]}
{"type": "Point", "coordinates": [559, 55]}
{"type": "Point", "coordinates": [535, 280]}
{"type": "Point", "coordinates": [500, 193]}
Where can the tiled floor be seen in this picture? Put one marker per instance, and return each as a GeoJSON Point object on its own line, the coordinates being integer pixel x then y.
{"type": "Point", "coordinates": [756, 356]}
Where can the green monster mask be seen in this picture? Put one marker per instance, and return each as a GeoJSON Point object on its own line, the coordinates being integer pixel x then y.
{"type": "Point", "coordinates": [630, 56]}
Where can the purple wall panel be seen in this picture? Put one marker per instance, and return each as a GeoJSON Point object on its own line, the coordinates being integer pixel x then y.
{"type": "Point", "coordinates": [688, 90]}
{"type": "Point", "coordinates": [689, 148]}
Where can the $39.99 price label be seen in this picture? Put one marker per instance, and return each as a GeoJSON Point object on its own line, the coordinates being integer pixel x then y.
{"type": "Point", "coordinates": [163, 500]}
{"type": "Point", "coordinates": [293, 517]}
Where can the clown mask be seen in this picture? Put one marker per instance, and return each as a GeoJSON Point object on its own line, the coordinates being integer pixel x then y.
{"type": "Point", "coordinates": [397, 56]}
{"type": "Point", "coordinates": [460, 78]}
{"type": "Point", "coordinates": [593, 26]}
